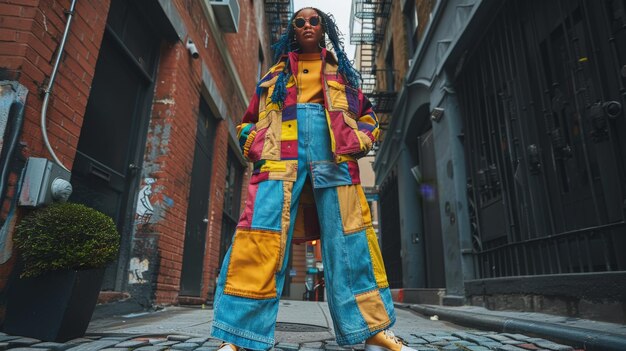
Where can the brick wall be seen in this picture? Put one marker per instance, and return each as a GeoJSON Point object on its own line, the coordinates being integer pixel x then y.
{"type": "Point", "coordinates": [30, 31]}
{"type": "Point", "coordinates": [176, 103]}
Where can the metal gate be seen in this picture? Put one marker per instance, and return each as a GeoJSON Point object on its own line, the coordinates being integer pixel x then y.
{"type": "Point", "coordinates": [542, 98]}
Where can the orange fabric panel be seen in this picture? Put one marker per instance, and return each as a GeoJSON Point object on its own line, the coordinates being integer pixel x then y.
{"type": "Point", "coordinates": [253, 263]}
{"type": "Point", "coordinates": [373, 310]}
{"type": "Point", "coordinates": [355, 212]}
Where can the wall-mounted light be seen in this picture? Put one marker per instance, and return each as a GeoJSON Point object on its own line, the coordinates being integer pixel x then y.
{"type": "Point", "coordinates": [436, 114]}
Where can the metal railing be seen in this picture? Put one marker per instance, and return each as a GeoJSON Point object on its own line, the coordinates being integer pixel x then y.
{"type": "Point", "coordinates": [277, 13]}
{"type": "Point", "coordinates": [598, 249]}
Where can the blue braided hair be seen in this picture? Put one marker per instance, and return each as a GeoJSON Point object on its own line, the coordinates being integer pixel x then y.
{"type": "Point", "coordinates": [287, 43]}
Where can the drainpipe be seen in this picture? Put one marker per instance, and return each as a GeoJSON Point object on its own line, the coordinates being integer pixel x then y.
{"type": "Point", "coordinates": [48, 90]}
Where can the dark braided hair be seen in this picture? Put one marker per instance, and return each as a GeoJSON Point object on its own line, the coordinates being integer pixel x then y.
{"type": "Point", "coordinates": [287, 43]}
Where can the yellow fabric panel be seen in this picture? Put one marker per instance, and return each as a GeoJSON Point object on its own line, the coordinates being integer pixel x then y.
{"type": "Point", "coordinates": [310, 83]}
{"type": "Point", "coordinates": [365, 141]}
{"type": "Point", "coordinates": [373, 310]}
{"type": "Point", "coordinates": [271, 143]}
{"type": "Point", "coordinates": [287, 172]}
{"type": "Point", "coordinates": [284, 222]}
{"type": "Point", "coordinates": [333, 144]}
{"type": "Point", "coordinates": [378, 265]}
{"type": "Point", "coordinates": [273, 166]}
{"type": "Point", "coordinates": [289, 130]}
{"type": "Point", "coordinates": [365, 207]}
{"type": "Point", "coordinates": [367, 119]}
{"type": "Point", "coordinates": [350, 208]}
{"type": "Point", "coordinates": [337, 95]}
{"type": "Point", "coordinates": [253, 263]}
{"type": "Point", "coordinates": [344, 158]}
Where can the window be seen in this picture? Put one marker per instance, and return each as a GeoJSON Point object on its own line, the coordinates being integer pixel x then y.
{"type": "Point", "coordinates": [390, 80]}
{"type": "Point", "coordinates": [260, 72]}
{"type": "Point", "coordinates": [412, 25]}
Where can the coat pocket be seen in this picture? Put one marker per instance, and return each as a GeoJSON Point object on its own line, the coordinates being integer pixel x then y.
{"type": "Point", "coordinates": [326, 174]}
{"type": "Point", "coordinates": [256, 144]}
{"type": "Point", "coordinates": [343, 97]}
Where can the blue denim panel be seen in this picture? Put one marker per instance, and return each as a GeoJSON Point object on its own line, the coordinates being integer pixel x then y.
{"type": "Point", "coordinates": [328, 174]}
{"type": "Point", "coordinates": [336, 256]}
{"type": "Point", "coordinates": [237, 319]}
{"type": "Point", "coordinates": [268, 204]}
{"type": "Point", "coordinates": [360, 261]}
{"type": "Point", "coordinates": [251, 335]}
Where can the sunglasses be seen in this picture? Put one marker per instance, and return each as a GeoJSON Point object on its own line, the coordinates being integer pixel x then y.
{"type": "Point", "coordinates": [300, 22]}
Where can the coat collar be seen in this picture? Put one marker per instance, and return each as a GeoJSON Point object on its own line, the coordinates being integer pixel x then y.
{"type": "Point", "coordinates": [326, 55]}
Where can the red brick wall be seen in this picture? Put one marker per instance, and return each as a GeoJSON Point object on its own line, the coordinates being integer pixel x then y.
{"type": "Point", "coordinates": [176, 100]}
{"type": "Point", "coordinates": [30, 31]}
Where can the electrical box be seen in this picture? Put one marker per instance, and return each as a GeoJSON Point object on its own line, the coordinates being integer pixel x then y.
{"type": "Point", "coordinates": [44, 182]}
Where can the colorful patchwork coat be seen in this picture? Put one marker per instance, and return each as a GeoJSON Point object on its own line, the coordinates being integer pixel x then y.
{"type": "Point", "coordinates": [269, 138]}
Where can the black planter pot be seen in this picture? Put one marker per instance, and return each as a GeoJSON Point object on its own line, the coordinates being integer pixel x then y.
{"type": "Point", "coordinates": [56, 306]}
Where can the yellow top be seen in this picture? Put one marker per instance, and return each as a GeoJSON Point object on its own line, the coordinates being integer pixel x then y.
{"type": "Point", "coordinates": [309, 78]}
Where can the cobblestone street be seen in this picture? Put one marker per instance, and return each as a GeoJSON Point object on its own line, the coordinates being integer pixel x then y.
{"type": "Point", "coordinates": [421, 341]}
{"type": "Point", "coordinates": [301, 325]}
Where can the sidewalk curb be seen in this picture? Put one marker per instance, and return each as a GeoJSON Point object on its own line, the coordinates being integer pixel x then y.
{"type": "Point", "coordinates": [591, 340]}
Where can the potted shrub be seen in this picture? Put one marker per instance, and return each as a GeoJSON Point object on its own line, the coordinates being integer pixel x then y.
{"type": "Point", "coordinates": [63, 250]}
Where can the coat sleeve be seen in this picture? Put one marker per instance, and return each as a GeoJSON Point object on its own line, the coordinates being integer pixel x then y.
{"type": "Point", "coordinates": [246, 130]}
{"type": "Point", "coordinates": [368, 129]}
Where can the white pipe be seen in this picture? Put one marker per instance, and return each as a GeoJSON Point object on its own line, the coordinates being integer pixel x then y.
{"type": "Point", "coordinates": [48, 90]}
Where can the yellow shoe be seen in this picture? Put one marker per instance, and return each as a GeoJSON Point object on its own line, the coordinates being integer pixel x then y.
{"type": "Point", "coordinates": [386, 341]}
{"type": "Point", "coordinates": [229, 347]}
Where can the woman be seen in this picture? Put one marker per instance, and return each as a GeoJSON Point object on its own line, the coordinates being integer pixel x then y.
{"type": "Point", "coordinates": [304, 129]}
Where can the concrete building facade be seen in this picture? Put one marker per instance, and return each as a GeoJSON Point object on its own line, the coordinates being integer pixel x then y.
{"type": "Point", "coordinates": [501, 169]}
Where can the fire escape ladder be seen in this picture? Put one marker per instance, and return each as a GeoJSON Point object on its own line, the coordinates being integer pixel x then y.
{"type": "Point", "coordinates": [277, 14]}
{"type": "Point", "coordinates": [372, 17]}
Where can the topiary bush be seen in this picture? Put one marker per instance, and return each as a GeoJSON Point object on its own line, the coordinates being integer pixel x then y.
{"type": "Point", "coordinates": [65, 236]}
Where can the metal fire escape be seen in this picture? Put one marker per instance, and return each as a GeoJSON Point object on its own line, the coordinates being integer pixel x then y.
{"type": "Point", "coordinates": [368, 31]}
{"type": "Point", "coordinates": [277, 14]}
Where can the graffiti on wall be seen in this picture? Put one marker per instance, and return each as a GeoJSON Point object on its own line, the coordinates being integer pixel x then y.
{"type": "Point", "coordinates": [137, 269]}
{"type": "Point", "coordinates": [145, 209]}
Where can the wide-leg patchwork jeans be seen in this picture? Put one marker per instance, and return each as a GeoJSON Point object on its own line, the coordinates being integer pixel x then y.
{"type": "Point", "coordinates": [253, 271]}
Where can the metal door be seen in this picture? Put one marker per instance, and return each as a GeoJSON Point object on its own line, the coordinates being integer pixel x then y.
{"type": "Point", "coordinates": [578, 122]}
{"type": "Point", "coordinates": [198, 207]}
{"type": "Point", "coordinates": [542, 96]}
{"type": "Point", "coordinates": [433, 244]}
{"type": "Point", "coordinates": [115, 124]}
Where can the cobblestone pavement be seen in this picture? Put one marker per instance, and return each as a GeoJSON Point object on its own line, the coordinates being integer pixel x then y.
{"type": "Point", "coordinates": [179, 328]}
{"type": "Point", "coordinates": [469, 340]}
